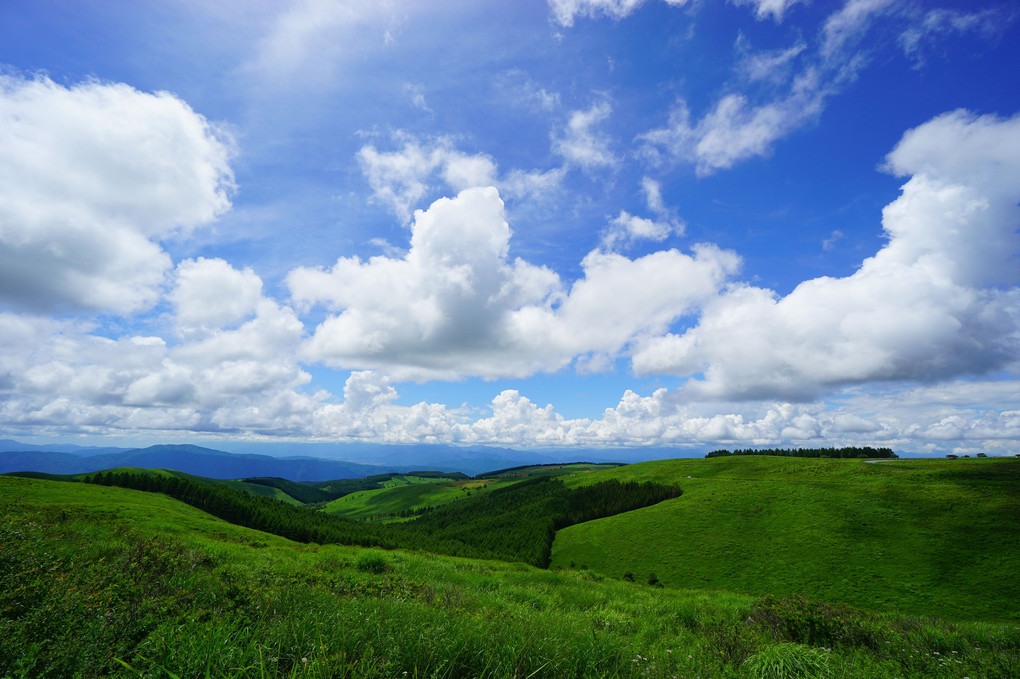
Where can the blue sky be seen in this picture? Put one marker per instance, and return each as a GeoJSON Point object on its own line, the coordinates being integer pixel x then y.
{"type": "Point", "coordinates": [690, 223]}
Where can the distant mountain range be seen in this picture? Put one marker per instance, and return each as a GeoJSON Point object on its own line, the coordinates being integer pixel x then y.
{"type": "Point", "coordinates": [303, 461]}
{"type": "Point", "coordinates": [196, 460]}
{"type": "Point", "coordinates": [8, 445]}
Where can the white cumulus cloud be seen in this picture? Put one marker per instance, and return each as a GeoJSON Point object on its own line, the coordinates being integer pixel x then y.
{"type": "Point", "coordinates": [92, 177]}
{"type": "Point", "coordinates": [212, 294]}
{"type": "Point", "coordinates": [627, 228]}
{"type": "Point", "coordinates": [581, 143]}
{"type": "Point", "coordinates": [402, 178]}
{"type": "Point", "coordinates": [938, 301]}
{"type": "Point", "coordinates": [457, 305]}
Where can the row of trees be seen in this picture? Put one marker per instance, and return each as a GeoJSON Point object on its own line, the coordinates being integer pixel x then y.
{"type": "Point", "coordinates": [847, 452]}
{"type": "Point", "coordinates": [516, 523]}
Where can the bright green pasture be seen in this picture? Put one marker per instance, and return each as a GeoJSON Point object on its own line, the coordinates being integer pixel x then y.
{"type": "Point", "coordinates": [408, 493]}
{"type": "Point", "coordinates": [926, 537]}
{"type": "Point", "coordinates": [103, 581]}
{"type": "Point", "coordinates": [532, 471]}
{"type": "Point", "coordinates": [388, 503]}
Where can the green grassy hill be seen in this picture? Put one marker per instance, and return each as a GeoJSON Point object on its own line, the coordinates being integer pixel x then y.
{"type": "Point", "coordinates": [928, 537]}
{"type": "Point", "coordinates": [262, 490]}
{"type": "Point", "coordinates": [401, 495]}
{"type": "Point", "coordinates": [104, 581]}
{"type": "Point", "coordinates": [396, 502]}
{"type": "Point", "coordinates": [535, 470]}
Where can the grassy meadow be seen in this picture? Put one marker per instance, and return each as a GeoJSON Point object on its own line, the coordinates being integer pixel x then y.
{"type": "Point", "coordinates": [402, 495]}
{"type": "Point", "coordinates": [773, 568]}
{"type": "Point", "coordinates": [925, 537]}
{"type": "Point", "coordinates": [104, 581]}
{"type": "Point", "coordinates": [395, 501]}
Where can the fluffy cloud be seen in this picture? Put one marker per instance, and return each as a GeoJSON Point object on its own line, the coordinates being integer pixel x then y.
{"type": "Point", "coordinates": [242, 382]}
{"type": "Point", "coordinates": [626, 228]}
{"type": "Point", "coordinates": [212, 294]}
{"type": "Point", "coordinates": [440, 307]}
{"type": "Point", "coordinates": [985, 416]}
{"type": "Point", "coordinates": [581, 144]}
{"type": "Point", "coordinates": [735, 129]}
{"type": "Point", "coordinates": [938, 301]}
{"type": "Point", "coordinates": [235, 368]}
{"type": "Point", "coordinates": [456, 305]}
{"type": "Point", "coordinates": [91, 178]}
{"type": "Point", "coordinates": [401, 178]}
{"type": "Point", "coordinates": [565, 11]}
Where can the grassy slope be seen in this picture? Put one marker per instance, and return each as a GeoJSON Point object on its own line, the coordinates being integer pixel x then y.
{"type": "Point", "coordinates": [92, 573]}
{"type": "Point", "coordinates": [390, 501]}
{"type": "Point", "coordinates": [409, 492]}
{"type": "Point", "coordinates": [531, 471]}
{"type": "Point", "coordinates": [250, 488]}
{"type": "Point", "coordinates": [931, 537]}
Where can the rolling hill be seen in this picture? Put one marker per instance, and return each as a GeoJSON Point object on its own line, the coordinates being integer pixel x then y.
{"type": "Point", "coordinates": [929, 537]}
{"type": "Point", "coordinates": [403, 496]}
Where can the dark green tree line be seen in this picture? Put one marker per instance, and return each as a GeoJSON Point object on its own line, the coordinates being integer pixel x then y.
{"type": "Point", "coordinates": [846, 452]}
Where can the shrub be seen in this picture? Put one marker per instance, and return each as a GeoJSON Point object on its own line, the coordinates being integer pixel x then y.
{"type": "Point", "coordinates": [371, 562]}
{"type": "Point", "coordinates": [817, 623]}
{"type": "Point", "coordinates": [788, 661]}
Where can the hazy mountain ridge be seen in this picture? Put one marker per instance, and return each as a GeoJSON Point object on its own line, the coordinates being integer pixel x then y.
{"type": "Point", "coordinates": [10, 445]}
{"type": "Point", "coordinates": [350, 460]}
{"type": "Point", "coordinates": [191, 459]}
{"type": "Point", "coordinates": [374, 458]}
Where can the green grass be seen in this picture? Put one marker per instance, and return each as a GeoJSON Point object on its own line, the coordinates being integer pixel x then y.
{"type": "Point", "coordinates": [404, 494]}
{"type": "Point", "coordinates": [250, 488]}
{"type": "Point", "coordinates": [925, 537]}
{"type": "Point", "coordinates": [535, 470]}
{"type": "Point", "coordinates": [391, 502]}
{"type": "Point", "coordinates": [302, 492]}
{"type": "Point", "coordinates": [338, 488]}
{"type": "Point", "coordinates": [102, 581]}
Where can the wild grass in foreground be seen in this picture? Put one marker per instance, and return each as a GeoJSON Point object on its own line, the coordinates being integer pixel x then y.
{"type": "Point", "coordinates": [98, 581]}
